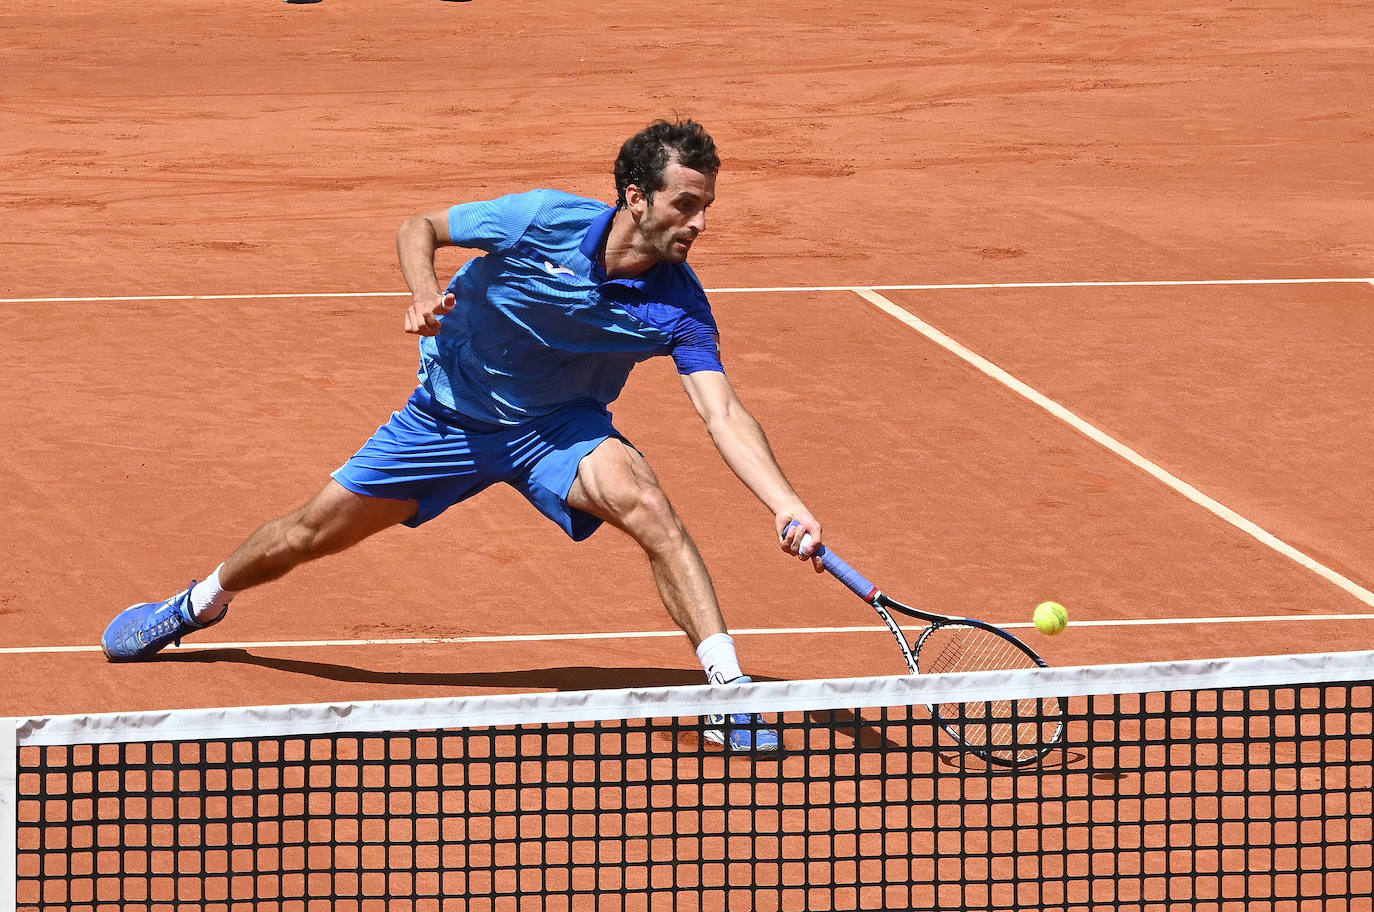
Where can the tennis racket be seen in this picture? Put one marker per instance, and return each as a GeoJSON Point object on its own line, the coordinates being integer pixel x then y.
{"type": "Point", "coordinates": [1004, 732]}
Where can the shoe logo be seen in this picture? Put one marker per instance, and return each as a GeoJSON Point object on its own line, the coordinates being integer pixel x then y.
{"type": "Point", "coordinates": [553, 269]}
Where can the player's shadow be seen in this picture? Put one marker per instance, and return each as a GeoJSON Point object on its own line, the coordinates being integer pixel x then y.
{"type": "Point", "coordinates": [573, 677]}
{"type": "Point", "coordinates": [843, 723]}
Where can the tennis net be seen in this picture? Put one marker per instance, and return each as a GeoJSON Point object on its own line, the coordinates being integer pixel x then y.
{"type": "Point", "coordinates": [1216, 785]}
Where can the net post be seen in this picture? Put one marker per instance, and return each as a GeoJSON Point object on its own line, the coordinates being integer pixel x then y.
{"type": "Point", "coordinates": [9, 814]}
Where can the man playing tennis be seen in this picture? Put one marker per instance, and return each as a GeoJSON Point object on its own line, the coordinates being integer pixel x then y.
{"type": "Point", "coordinates": [519, 357]}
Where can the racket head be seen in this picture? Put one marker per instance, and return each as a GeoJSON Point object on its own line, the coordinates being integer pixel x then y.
{"type": "Point", "coordinates": [1003, 732]}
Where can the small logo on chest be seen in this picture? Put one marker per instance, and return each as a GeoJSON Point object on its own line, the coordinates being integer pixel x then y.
{"type": "Point", "coordinates": [554, 269]}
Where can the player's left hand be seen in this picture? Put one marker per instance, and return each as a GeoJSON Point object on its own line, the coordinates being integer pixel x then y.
{"type": "Point", "coordinates": [795, 526]}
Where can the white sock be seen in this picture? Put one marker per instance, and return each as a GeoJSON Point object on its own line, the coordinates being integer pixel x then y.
{"type": "Point", "coordinates": [717, 654]}
{"type": "Point", "coordinates": [209, 600]}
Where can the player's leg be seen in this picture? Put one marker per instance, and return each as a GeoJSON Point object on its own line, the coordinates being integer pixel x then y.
{"type": "Point", "coordinates": [616, 484]}
{"type": "Point", "coordinates": [409, 471]}
{"type": "Point", "coordinates": [577, 469]}
{"type": "Point", "coordinates": [333, 520]}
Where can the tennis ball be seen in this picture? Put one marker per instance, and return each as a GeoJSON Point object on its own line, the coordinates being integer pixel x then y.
{"type": "Point", "coordinates": [1050, 618]}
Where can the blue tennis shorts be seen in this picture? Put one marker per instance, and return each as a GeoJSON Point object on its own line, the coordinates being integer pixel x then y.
{"type": "Point", "coordinates": [440, 458]}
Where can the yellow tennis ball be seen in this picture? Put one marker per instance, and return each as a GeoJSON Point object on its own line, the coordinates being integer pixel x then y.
{"type": "Point", "coordinates": [1050, 618]}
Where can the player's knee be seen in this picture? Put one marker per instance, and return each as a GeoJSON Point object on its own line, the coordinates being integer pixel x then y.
{"type": "Point", "coordinates": [653, 522]}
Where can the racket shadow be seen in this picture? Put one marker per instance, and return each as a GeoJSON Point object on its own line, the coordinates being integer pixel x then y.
{"type": "Point", "coordinates": [964, 761]}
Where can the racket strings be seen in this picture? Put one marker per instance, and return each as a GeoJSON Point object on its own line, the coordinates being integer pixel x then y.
{"type": "Point", "coordinates": [1013, 731]}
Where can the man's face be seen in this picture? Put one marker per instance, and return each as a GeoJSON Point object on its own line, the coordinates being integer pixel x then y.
{"type": "Point", "coordinates": [670, 221]}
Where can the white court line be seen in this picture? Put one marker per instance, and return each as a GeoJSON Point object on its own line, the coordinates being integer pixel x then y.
{"type": "Point", "coordinates": [208, 297]}
{"type": "Point", "coordinates": [785, 288]}
{"type": "Point", "coordinates": [657, 634]}
{"type": "Point", "coordinates": [995, 285]}
{"type": "Point", "coordinates": [1120, 449]}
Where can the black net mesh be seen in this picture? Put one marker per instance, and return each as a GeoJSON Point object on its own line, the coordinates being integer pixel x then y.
{"type": "Point", "coordinates": [1254, 798]}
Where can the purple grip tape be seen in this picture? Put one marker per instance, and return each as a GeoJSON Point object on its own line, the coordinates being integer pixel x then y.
{"type": "Point", "coordinates": [846, 574]}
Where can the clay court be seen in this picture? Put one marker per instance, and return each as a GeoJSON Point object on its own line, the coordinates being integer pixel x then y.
{"type": "Point", "coordinates": [1155, 218]}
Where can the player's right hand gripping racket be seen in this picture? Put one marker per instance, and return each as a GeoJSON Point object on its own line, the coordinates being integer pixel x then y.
{"type": "Point", "coordinates": [1004, 732]}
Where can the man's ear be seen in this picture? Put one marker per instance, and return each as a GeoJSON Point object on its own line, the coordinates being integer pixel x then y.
{"type": "Point", "coordinates": [635, 200]}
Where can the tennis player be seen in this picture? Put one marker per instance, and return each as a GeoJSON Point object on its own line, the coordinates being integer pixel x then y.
{"type": "Point", "coordinates": [519, 358]}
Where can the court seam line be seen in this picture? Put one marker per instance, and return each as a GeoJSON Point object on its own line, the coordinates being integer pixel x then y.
{"type": "Point", "coordinates": [657, 634]}
{"type": "Point", "coordinates": [1100, 437]}
{"type": "Point", "coordinates": [976, 286]}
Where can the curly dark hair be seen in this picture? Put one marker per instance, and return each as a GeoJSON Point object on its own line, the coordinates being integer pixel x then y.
{"type": "Point", "coordinates": [646, 155]}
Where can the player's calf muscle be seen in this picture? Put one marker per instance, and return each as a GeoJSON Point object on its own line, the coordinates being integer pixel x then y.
{"type": "Point", "coordinates": [334, 520]}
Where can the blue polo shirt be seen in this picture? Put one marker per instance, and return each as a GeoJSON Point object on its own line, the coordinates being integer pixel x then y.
{"type": "Point", "coordinates": [538, 325]}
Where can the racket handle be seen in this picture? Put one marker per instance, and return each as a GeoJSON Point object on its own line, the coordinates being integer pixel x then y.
{"type": "Point", "coordinates": [846, 574]}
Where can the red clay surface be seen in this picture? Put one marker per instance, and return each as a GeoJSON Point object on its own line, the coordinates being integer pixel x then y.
{"type": "Point", "coordinates": [197, 148]}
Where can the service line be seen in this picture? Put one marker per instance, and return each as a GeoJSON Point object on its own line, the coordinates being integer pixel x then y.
{"type": "Point", "coordinates": [201, 646]}
{"type": "Point", "coordinates": [1145, 283]}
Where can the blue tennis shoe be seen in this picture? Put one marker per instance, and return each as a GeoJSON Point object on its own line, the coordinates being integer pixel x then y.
{"type": "Point", "coordinates": [745, 732]}
{"type": "Point", "coordinates": [139, 631]}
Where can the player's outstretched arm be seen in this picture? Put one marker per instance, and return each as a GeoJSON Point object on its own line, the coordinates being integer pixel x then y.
{"type": "Point", "coordinates": [744, 447]}
{"type": "Point", "coordinates": [416, 242]}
